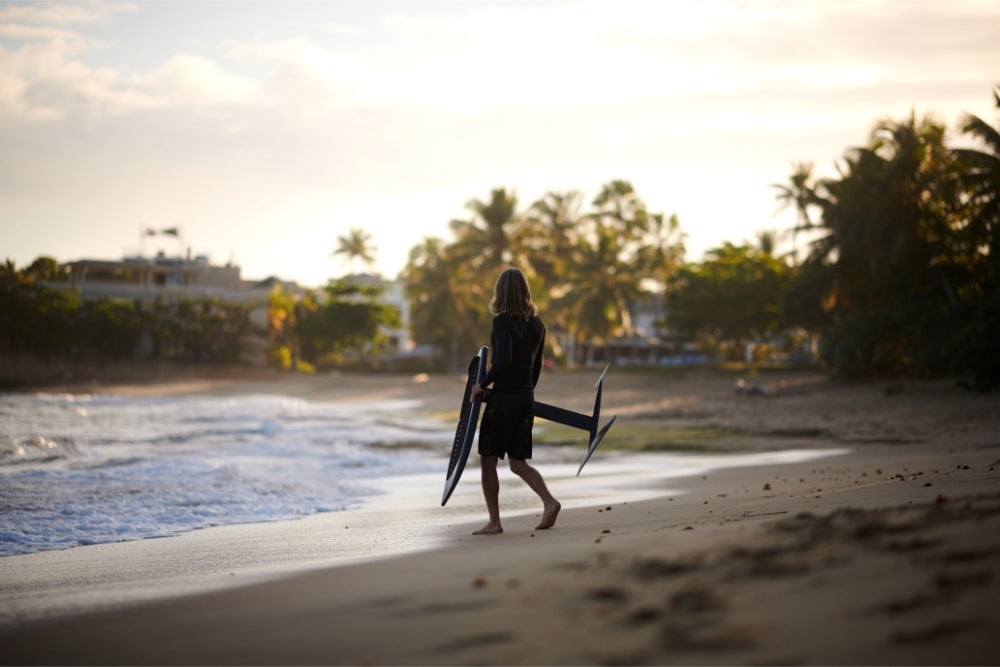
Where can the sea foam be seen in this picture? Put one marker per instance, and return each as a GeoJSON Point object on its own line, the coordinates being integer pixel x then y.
{"type": "Point", "coordinates": [78, 470]}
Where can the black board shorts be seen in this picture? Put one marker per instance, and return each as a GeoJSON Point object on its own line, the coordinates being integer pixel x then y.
{"type": "Point", "coordinates": [506, 427]}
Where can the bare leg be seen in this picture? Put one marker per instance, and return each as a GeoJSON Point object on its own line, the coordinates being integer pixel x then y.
{"type": "Point", "coordinates": [534, 479]}
{"type": "Point", "coordinates": [491, 492]}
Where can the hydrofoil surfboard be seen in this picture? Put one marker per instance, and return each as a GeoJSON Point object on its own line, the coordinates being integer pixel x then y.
{"type": "Point", "coordinates": [468, 420]}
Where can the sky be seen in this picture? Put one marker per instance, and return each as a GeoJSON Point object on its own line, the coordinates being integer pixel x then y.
{"type": "Point", "coordinates": [265, 130]}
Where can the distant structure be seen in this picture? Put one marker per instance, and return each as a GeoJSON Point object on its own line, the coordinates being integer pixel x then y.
{"type": "Point", "coordinates": [169, 278]}
{"type": "Point", "coordinates": [147, 279]}
{"type": "Point", "coordinates": [393, 293]}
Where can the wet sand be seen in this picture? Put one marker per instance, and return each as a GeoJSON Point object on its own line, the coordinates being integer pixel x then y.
{"type": "Point", "coordinates": [883, 548]}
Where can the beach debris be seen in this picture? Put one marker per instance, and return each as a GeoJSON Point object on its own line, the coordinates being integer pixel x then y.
{"type": "Point", "coordinates": [963, 580]}
{"type": "Point", "coordinates": [695, 600]}
{"type": "Point", "coordinates": [644, 615]}
{"type": "Point", "coordinates": [932, 633]}
{"type": "Point", "coordinates": [608, 594]}
{"type": "Point", "coordinates": [479, 582]}
{"type": "Point", "coordinates": [745, 388]}
{"type": "Point", "coordinates": [767, 487]}
{"type": "Point", "coordinates": [658, 568]}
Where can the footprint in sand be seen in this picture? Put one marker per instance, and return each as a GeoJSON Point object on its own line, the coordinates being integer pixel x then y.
{"type": "Point", "coordinates": [933, 632]}
{"type": "Point", "coordinates": [608, 594]}
{"type": "Point", "coordinates": [476, 641]}
{"type": "Point", "coordinates": [658, 568]}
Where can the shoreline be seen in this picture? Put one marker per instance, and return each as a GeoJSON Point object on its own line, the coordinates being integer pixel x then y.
{"type": "Point", "coordinates": [887, 553]}
{"type": "Point", "coordinates": [724, 573]}
{"type": "Point", "coordinates": [401, 520]}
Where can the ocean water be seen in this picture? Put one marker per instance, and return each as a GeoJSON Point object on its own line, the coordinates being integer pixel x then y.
{"type": "Point", "coordinates": [78, 470]}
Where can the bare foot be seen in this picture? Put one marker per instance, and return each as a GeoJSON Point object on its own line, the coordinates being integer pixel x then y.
{"type": "Point", "coordinates": [489, 529]}
{"type": "Point", "coordinates": [549, 516]}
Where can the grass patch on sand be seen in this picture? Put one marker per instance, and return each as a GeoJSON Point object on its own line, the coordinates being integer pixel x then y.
{"type": "Point", "coordinates": [638, 437]}
{"type": "Point", "coordinates": [410, 444]}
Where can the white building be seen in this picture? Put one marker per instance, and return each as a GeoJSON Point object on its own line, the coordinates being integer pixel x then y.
{"type": "Point", "coordinates": [393, 293]}
{"type": "Point", "coordinates": [146, 279]}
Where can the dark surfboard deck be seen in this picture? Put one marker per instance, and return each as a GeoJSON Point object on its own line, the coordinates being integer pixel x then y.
{"type": "Point", "coordinates": [468, 421]}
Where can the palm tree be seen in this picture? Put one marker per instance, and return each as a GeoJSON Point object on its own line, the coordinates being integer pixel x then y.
{"type": "Point", "coordinates": [605, 258]}
{"type": "Point", "coordinates": [982, 179]}
{"type": "Point", "coordinates": [662, 252]}
{"type": "Point", "coordinates": [356, 245]}
{"type": "Point", "coordinates": [980, 240]}
{"type": "Point", "coordinates": [548, 234]}
{"type": "Point", "coordinates": [886, 251]}
{"type": "Point", "coordinates": [800, 192]}
{"type": "Point", "coordinates": [486, 241]}
{"type": "Point", "coordinates": [620, 209]}
{"type": "Point", "coordinates": [447, 302]}
{"type": "Point", "coordinates": [922, 204]}
{"type": "Point", "coordinates": [601, 285]}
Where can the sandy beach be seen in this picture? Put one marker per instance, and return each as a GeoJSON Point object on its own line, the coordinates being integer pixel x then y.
{"type": "Point", "coordinates": [799, 521]}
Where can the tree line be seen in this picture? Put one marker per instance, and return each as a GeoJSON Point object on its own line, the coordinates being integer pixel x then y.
{"type": "Point", "coordinates": [40, 316]}
{"type": "Point", "coordinates": [585, 267]}
{"type": "Point", "coordinates": [342, 323]}
{"type": "Point", "coordinates": [900, 274]}
{"type": "Point", "coordinates": [37, 317]}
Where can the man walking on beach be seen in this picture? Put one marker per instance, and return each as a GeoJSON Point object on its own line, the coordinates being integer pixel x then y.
{"type": "Point", "coordinates": [517, 343]}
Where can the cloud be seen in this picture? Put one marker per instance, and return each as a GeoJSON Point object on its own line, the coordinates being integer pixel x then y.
{"type": "Point", "coordinates": [588, 52]}
{"type": "Point", "coordinates": [46, 77]}
{"type": "Point", "coordinates": [194, 80]}
{"type": "Point", "coordinates": [19, 31]}
{"type": "Point", "coordinates": [571, 57]}
{"type": "Point", "coordinates": [64, 13]}
{"type": "Point", "coordinates": [245, 133]}
{"type": "Point", "coordinates": [306, 83]}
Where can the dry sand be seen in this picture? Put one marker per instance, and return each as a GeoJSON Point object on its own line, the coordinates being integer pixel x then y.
{"type": "Point", "coordinates": [886, 553]}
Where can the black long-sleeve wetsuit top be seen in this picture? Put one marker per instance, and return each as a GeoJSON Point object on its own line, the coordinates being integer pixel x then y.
{"type": "Point", "coordinates": [516, 353]}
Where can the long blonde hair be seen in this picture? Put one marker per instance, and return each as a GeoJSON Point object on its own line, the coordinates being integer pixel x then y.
{"type": "Point", "coordinates": [512, 295]}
